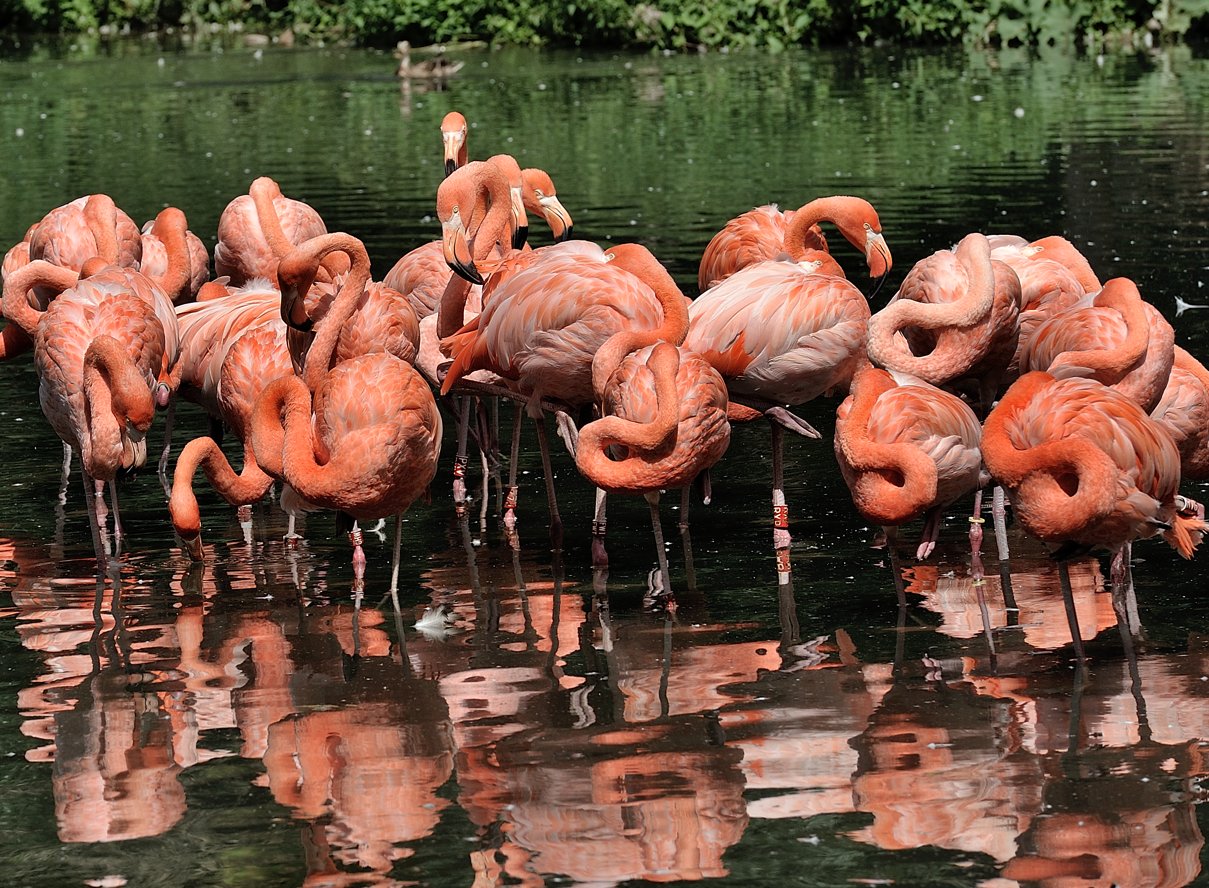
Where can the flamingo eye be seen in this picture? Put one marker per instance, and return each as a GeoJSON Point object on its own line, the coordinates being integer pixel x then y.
{"type": "Point", "coordinates": [540, 193]}
{"type": "Point", "coordinates": [868, 227]}
{"type": "Point", "coordinates": [609, 257]}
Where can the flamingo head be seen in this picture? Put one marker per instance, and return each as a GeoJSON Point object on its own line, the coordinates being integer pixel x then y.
{"type": "Point", "coordinates": [540, 197]}
{"type": "Point", "coordinates": [455, 244]}
{"type": "Point", "coordinates": [295, 275]}
{"type": "Point", "coordinates": [453, 137]}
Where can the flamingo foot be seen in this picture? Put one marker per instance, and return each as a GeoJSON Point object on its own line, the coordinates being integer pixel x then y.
{"type": "Point", "coordinates": [459, 485]}
{"type": "Point", "coordinates": [510, 507]}
{"type": "Point", "coordinates": [357, 538]}
{"type": "Point", "coordinates": [565, 427]}
{"type": "Point", "coordinates": [600, 557]}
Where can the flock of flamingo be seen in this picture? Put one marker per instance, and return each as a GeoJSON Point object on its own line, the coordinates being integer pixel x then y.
{"type": "Point", "coordinates": [999, 361]}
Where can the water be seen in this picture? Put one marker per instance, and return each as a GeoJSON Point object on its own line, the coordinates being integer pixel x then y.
{"type": "Point", "coordinates": [242, 723]}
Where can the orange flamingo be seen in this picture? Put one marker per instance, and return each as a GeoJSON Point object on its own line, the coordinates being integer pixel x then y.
{"type": "Point", "coordinates": [453, 138]}
{"type": "Point", "coordinates": [181, 283]}
{"type": "Point", "coordinates": [258, 228]}
{"type": "Point", "coordinates": [1183, 410]}
{"type": "Point", "coordinates": [1112, 336]}
{"type": "Point", "coordinates": [781, 332]}
{"type": "Point", "coordinates": [766, 233]}
{"type": "Point", "coordinates": [363, 437]}
{"type": "Point", "coordinates": [69, 236]}
{"type": "Point", "coordinates": [1087, 469]}
{"type": "Point", "coordinates": [97, 349]}
{"type": "Point", "coordinates": [1053, 276]}
{"type": "Point", "coordinates": [954, 319]}
{"type": "Point", "coordinates": [666, 407]}
{"type": "Point", "coordinates": [907, 450]}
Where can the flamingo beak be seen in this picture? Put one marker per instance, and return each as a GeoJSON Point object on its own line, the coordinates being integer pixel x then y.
{"type": "Point", "coordinates": [456, 247]}
{"type": "Point", "coordinates": [877, 254]}
{"type": "Point", "coordinates": [193, 545]}
{"type": "Point", "coordinates": [520, 220]}
{"type": "Point", "coordinates": [293, 305]}
{"type": "Point", "coordinates": [556, 217]}
{"type": "Point", "coordinates": [453, 143]}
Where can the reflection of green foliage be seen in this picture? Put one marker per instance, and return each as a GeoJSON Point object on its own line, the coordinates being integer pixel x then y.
{"type": "Point", "coordinates": [675, 24]}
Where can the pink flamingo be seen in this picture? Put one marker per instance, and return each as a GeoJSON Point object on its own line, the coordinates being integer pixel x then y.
{"type": "Point", "coordinates": [767, 233]}
{"type": "Point", "coordinates": [97, 350]}
{"type": "Point", "coordinates": [907, 450]}
{"type": "Point", "coordinates": [1085, 468]}
{"type": "Point", "coordinates": [1112, 336]}
{"type": "Point", "coordinates": [257, 229]}
{"type": "Point", "coordinates": [362, 437]}
{"type": "Point", "coordinates": [181, 283]}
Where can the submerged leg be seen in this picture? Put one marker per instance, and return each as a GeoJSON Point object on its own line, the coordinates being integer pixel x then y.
{"type": "Point", "coordinates": [117, 517]}
{"type": "Point", "coordinates": [459, 461]}
{"type": "Point", "coordinates": [556, 521]}
{"type": "Point", "coordinates": [600, 557]}
{"type": "Point", "coordinates": [1072, 618]}
{"type": "Point", "coordinates": [511, 496]}
{"type": "Point", "coordinates": [100, 543]}
{"type": "Point", "coordinates": [356, 538]}
{"type": "Point", "coordinates": [690, 572]}
{"type": "Point", "coordinates": [780, 509]}
{"type": "Point", "coordinates": [652, 500]}
{"type": "Point", "coordinates": [394, 569]}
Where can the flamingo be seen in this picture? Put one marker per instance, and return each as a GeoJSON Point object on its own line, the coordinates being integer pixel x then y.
{"type": "Point", "coordinates": [69, 236]}
{"type": "Point", "coordinates": [1053, 276]}
{"type": "Point", "coordinates": [766, 233]}
{"type": "Point", "coordinates": [258, 228]}
{"type": "Point", "coordinates": [1112, 336]}
{"type": "Point", "coordinates": [362, 437]}
{"type": "Point", "coordinates": [1085, 468]}
{"type": "Point", "coordinates": [906, 450]}
{"type": "Point", "coordinates": [453, 138]}
{"type": "Point", "coordinates": [781, 332]}
{"type": "Point", "coordinates": [1183, 410]}
{"type": "Point", "coordinates": [667, 408]}
{"type": "Point", "coordinates": [157, 260]}
{"type": "Point", "coordinates": [955, 318]}
{"type": "Point", "coordinates": [97, 349]}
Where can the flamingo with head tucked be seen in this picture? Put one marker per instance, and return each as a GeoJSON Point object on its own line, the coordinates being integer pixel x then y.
{"type": "Point", "coordinates": [1085, 469]}
{"type": "Point", "coordinates": [362, 437]}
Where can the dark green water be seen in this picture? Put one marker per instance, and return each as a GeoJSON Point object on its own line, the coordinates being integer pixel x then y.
{"type": "Point", "coordinates": [241, 725]}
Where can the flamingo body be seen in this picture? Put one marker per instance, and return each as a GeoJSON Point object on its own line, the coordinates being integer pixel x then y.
{"type": "Point", "coordinates": [1183, 410]}
{"type": "Point", "coordinates": [778, 331]}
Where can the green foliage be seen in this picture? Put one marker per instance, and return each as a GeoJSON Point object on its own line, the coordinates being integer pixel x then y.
{"type": "Point", "coordinates": [669, 24]}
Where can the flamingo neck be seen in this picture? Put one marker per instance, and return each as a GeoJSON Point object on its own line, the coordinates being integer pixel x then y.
{"type": "Point", "coordinates": [297, 271]}
{"type": "Point", "coordinates": [118, 409]}
{"type": "Point", "coordinates": [891, 483]}
{"type": "Point", "coordinates": [1062, 251]}
{"type": "Point", "coordinates": [246, 487]}
{"type": "Point", "coordinates": [591, 453]}
{"type": "Point", "coordinates": [1110, 364]}
{"type": "Point", "coordinates": [1061, 487]}
{"type": "Point", "coordinates": [950, 358]}
{"type": "Point", "coordinates": [265, 429]}
{"type": "Point", "coordinates": [265, 193]}
{"type": "Point", "coordinates": [492, 193]}
{"type": "Point", "coordinates": [39, 273]}
{"type": "Point", "coordinates": [171, 228]}
{"type": "Point", "coordinates": [101, 216]}
{"type": "Point", "coordinates": [849, 215]}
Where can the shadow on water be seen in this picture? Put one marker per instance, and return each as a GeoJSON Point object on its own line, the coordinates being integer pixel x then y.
{"type": "Point", "coordinates": [518, 718]}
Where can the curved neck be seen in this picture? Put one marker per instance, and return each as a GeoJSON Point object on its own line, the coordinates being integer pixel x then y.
{"type": "Point", "coordinates": [101, 215]}
{"type": "Point", "coordinates": [492, 212]}
{"type": "Point", "coordinates": [946, 361]}
{"type": "Point", "coordinates": [115, 394]}
{"type": "Point", "coordinates": [1067, 484]}
{"type": "Point", "coordinates": [894, 481]}
{"type": "Point", "coordinates": [1062, 251]}
{"type": "Point", "coordinates": [300, 469]}
{"type": "Point", "coordinates": [639, 261]}
{"type": "Point", "coordinates": [17, 285]}
{"type": "Point", "coordinates": [856, 220]}
{"type": "Point", "coordinates": [297, 271]}
{"type": "Point", "coordinates": [265, 429]}
{"type": "Point", "coordinates": [265, 192]}
{"type": "Point", "coordinates": [1121, 295]}
{"type": "Point", "coordinates": [246, 487]}
{"type": "Point", "coordinates": [171, 228]}
{"type": "Point", "coordinates": [591, 453]}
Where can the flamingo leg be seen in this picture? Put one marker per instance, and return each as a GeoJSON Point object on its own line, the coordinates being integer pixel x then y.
{"type": "Point", "coordinates": [1124, 601]}
{"type": "Point", "coordinates": [165, 478]}
{"type": "Point", "coordinates": [511, 497]}
{"type": "Point", "coordinates": [243, 514]}
{"type": "Point", "coordinates": [690, 572]}
{"type": "Point", "coordinates": [459, 461]}
{"type": "Point", "coordinates": [652, 500]}
{"type": "Point", "coordinates": [100, 544]}
{"type": "Point", "coordinates": [1072, 618]}
{"type": "Point", "coordinates": [927, 540]}
{"type": "Point", "coordinates": [357, 538]}
{"type": "Point", "coordinates": [999, 514]}
{"type": "Point", "coordinates": [600, 557]}
{"type": "Point", "coordinates": [780, 509]}
{"type": "Point", "coordinates": [65, 476]}
{"type": "Point", "coordinates": [556, 521]}
{"type": "Point", "coordinates": [117, 517]}
{"type": "Point", "coordinates": [394, 567]}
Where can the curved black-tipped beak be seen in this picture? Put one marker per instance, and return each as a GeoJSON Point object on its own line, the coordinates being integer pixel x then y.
{"type": "Point", "coordinates": [467, 272]}
{"type": "Point", "coordinates": [520, 236]}
{"type": "Point", "coordinates": [556, 217]}
{"type": "Point", "coordinates": [450, 166]}
{"type": "Point", "coordinates": [293, 307]}
{"type": "Point", "coordinates": [456, 249]}
{"type": "Point", "coordinates": [566, 235]}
